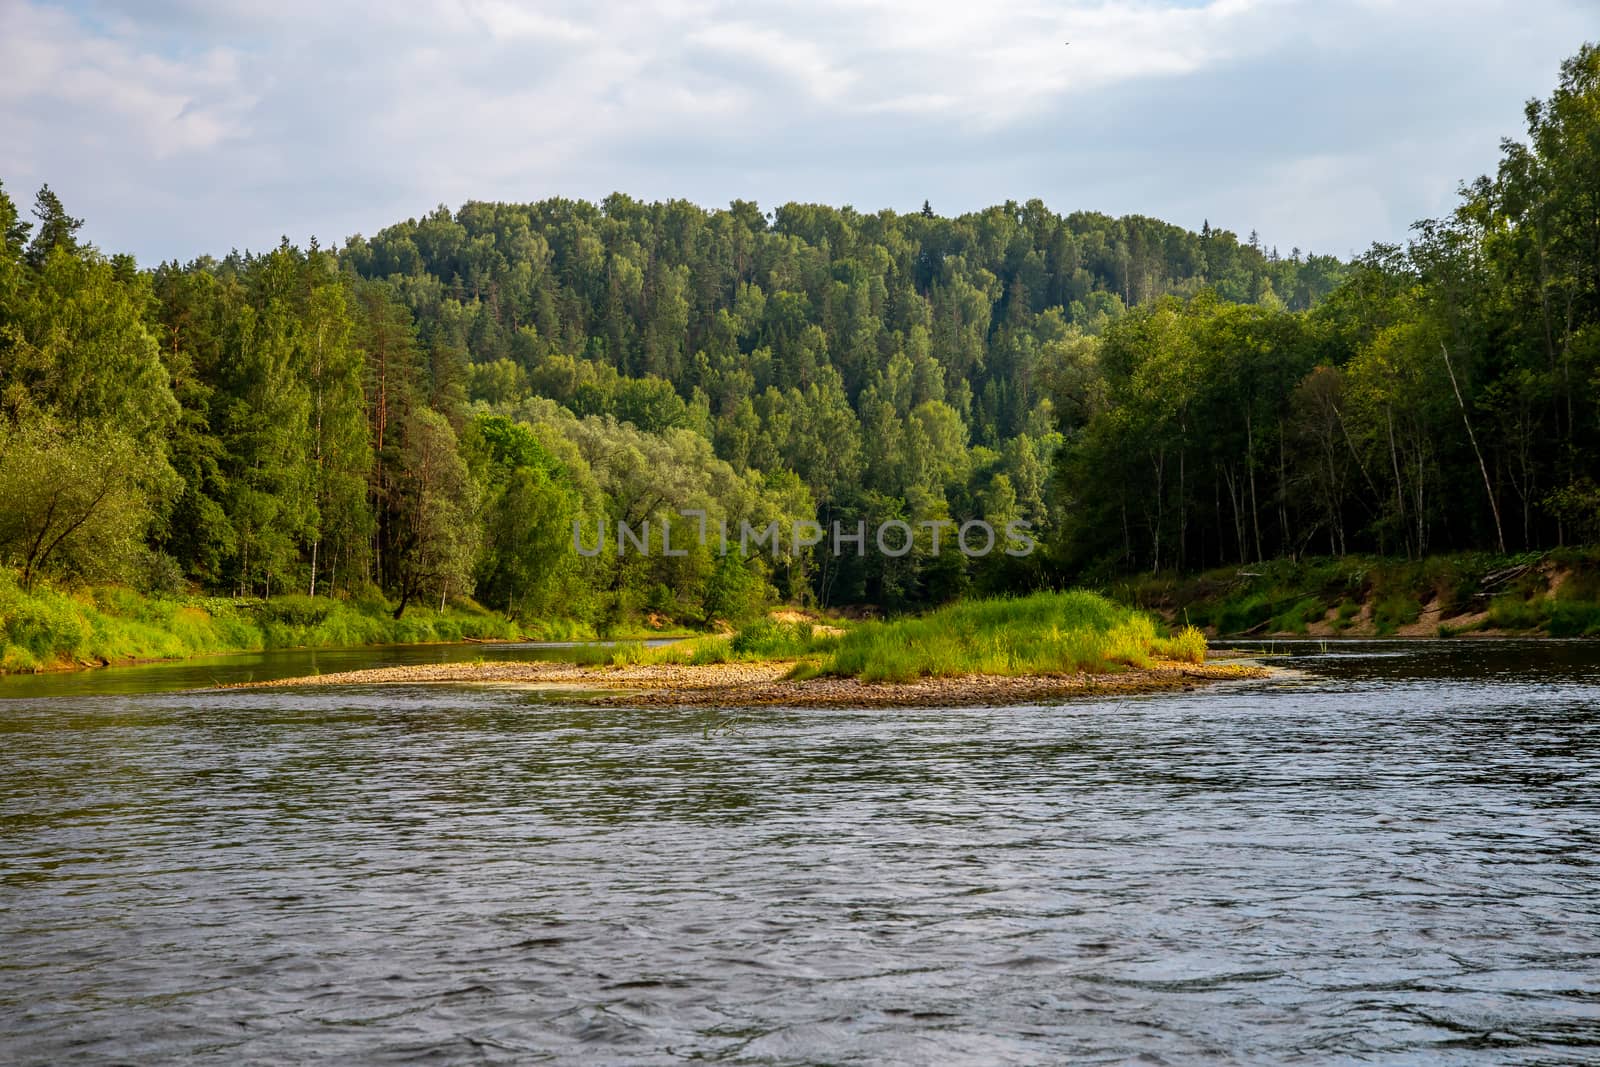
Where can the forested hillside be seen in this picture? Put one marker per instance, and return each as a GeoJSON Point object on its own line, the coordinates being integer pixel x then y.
{"type": "Point", "coordinates": [424, 414]}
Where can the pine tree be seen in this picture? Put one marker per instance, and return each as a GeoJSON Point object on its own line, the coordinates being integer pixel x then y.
{"type": "Point", "coordinates": [57, 229]}
{"type": "Point", "coordinates": [13, 230]}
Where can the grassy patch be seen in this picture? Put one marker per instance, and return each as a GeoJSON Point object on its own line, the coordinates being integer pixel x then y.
{"type": "Point", "coordinates": [52, 628]}
{"type": "Point", "coordinates": [764, 639]}
{"type": "Point", "coordinates": [1515, 611]}
{"type": "Point", "coordinates": [1394, 611]}
{"type": "Point", "coordinates": [1304, 611]}
{"type": "Point", "coordinates": [1571, 617]}
{"type": "Point", "coordinates": [1047, 633]}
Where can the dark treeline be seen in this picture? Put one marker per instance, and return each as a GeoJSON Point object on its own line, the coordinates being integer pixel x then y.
{"type": "Point", "coordinates": [423, 415]}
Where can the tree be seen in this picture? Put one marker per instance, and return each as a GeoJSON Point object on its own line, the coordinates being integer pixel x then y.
{"type": "Point", "coordinates": [340, 449]}
{"type": "Point", "coordinates": [57, 229]}
{"type": "Point", "coordinates": [527, 564]}
{"type": "Point", "coordinates": [77, 500]}
{"type": "Point", "coordinates": [13, 230]}
{"type": "Point", "coordinates": [74, 345]}
{"type": "Point", "coordinates": [434, 503]}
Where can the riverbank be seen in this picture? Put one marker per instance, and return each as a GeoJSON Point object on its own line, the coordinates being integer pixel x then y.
{"type": "Point", "coordinates": [770, 683]}
{"type": "Point", "coordinates": [983, 651]}
{"type": "Point", "coordinates": [1549, 594]}
{"type": "Point", "coordinates": [50, 629]}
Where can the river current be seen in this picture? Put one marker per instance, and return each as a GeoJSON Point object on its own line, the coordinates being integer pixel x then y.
{"type": "Point", "coordinates": [1388, 855]}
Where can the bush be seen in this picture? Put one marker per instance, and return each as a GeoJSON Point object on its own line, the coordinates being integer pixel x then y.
{"type": "Point", "coordinates": [1573, 618]}
{"type": "Point", "coordinates": [770, 639]}
{"type": "Point", "coordinates": [1246, 613]}
{"type": "Point", "coordinates": [48, 626]}
{"type": "Point", "coordinates": [1394, 611]}
{"type": "Point", "coordinates": [296, 610]}
{"type": "Point", "coordinates": [1513, 611]}
{"type": "Point", "coordinates": [1296, 618]}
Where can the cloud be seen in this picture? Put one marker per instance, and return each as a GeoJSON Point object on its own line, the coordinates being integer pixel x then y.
{"type": "Point", "coordinates": [187, 126]}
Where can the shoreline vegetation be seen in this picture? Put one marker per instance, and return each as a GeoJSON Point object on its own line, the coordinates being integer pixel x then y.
{"type": "Point", "coordinates": [1552, 594]}
{"type": "Point", "coordinates": [1004, 650]}
{"type": "Point", "coordinates": [99, 626]}
{"type": "Point", "coordinates": [1537, 594]}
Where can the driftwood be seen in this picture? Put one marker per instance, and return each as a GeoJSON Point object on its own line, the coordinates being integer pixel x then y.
{"type": "Point", "coordinates": [1495, 581]}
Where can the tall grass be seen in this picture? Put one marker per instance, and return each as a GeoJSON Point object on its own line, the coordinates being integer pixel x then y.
{"type": "Point", "coordinates": [50, 628]}
{"type": "Point", "coordinates": [764, 639]}
{"type": "Point", "coordinates": [1046, 633]}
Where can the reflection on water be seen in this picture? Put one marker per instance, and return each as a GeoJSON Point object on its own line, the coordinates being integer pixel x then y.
{"type": "Point", "coordinates": [264, 666]}
{"type": "Point", "coordinates": [1391, 860]}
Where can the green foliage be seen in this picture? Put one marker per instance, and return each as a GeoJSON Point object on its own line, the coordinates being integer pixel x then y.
{"type": "Point", "coordinates": [1573, 618]}
{"type": "Point", "coordinates": [1303, 611]}
{"type": "Point", "coordinates": [78, 500]}
{"type": "Point", "coordinates": [433, 502]}
{"type": "Point", "coordinates": [1514, 611]}
{"type": "Point", "coordinates": [770, 639]}
{"type": "Point", "coordinates": [761, 640]}
{"type": "Point", "coordinates": [735, 591]}
{"type": "Point", "coordinates": [1552, 593]}
{"type": "Point", "coordinates": [1046, 633]}
{"type": "Point", "coordinates": [1394, 611]}
{"type": "Point", "coordinates": [108, 624]}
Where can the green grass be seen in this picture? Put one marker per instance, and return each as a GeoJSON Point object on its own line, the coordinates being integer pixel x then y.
{"type": "Point", "coordinates": [764, 639]}
{"type": "Point", "coordinates": [1514, 611]}
{"type": "Point", "coordinates": [1286, 596]}
{"type": "Point", "coordinates": [1573, 618]}
{"type": "Point", "coordinates": [1394, 611]}
{"type": "Point", "coordinates": [1304, 611]}
{"type": "Point", "coordinates": [1046, 633]}
{"type": "Point", "coordinates": [52, 628]}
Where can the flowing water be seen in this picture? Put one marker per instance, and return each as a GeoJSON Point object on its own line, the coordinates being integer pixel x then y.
{"type": "Point", "coordinates": [1389, 856]}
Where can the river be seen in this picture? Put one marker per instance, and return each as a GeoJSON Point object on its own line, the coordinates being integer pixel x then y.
{"type": "Point", "coordinates": [1387, 856]}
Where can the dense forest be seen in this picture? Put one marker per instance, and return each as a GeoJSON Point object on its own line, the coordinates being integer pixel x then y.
{"type": "Point", "coordinates": [423, 415]}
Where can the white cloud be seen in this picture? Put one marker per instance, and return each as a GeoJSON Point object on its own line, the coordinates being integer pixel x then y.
{"type": "Point", "coordinates": [195, 125]}
{"type": "Point", "coordinates": [61, 82]}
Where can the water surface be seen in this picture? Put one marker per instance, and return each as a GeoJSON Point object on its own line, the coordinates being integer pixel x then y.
{"type": "Point", "coordinates": [1391, 858]}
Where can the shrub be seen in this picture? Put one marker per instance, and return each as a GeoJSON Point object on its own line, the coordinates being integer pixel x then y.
{"type": "Point", "coordinates": [296, 610]}
{"type": "Point", "coordinates": [1394, 611]}
{"type": "Point", "coordinates": [1513, 611]}
{"type": "Point", "coordinates": [1573, 618]}
{"type": "Point", "coordinates": [1296, 618]}
{"type": "Point", "coordinates": [49, 626]}
{"type": "Point", "coordinates": [1245, 613]}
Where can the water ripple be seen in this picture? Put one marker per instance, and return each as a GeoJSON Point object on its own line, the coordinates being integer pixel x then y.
{"type": "Point", "coordinates": [1392, 860]}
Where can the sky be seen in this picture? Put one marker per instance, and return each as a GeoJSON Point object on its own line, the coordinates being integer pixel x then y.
{"type": "Point", "coordinates": [184, 127]}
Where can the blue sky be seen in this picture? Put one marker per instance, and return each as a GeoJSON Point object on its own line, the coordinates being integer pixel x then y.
{"type": "Point", "coordinates": [181, 127]}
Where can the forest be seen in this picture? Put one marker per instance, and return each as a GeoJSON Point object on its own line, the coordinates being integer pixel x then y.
{"type": "Point", "coordinates": [420, 417]}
